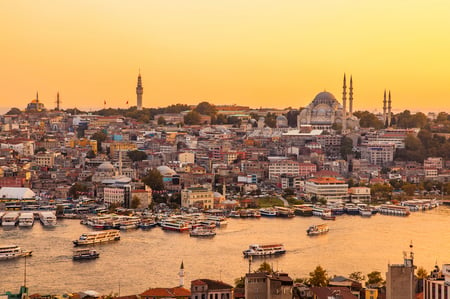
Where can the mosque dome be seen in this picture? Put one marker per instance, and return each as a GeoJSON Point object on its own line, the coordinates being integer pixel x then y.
{"type": "Point", "coordinates": [281, 118]}
{"type": "Point", "coordinates": [325, 97]}
{"type": "Point", "coordinates": [165, 170]}
{"type": "Point", "coordinates": [106, 166]}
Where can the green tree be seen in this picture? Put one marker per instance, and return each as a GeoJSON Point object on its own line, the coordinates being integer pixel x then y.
{"type": "Point", "coordinates": [239, 282]}
{"type": "Point", "coordinates": [154, 179]}
{"type": "Point", "coordinates": [137, 155]}
{"type": "Point", "coordinates": [206, 108]}
{"type": "Point", "coordinates": [319, 277]}
{"type": "Point", "coordinates": [135, 202]}
{"type": "Point", "coordinates": [441, 117]}
{"type": "Point", "coordinates": [161, 121]}
{"type": "Point", "coordinates": [409, 189]}
{"type": "Point", "coordinates": [40, 150]}
{"type": "Point", "coordinates": [76, 189]}
{"type": "Point", "coordinates": [368, 120]}
{"type": "Point", "coordinates": [374, 279]}
{"type": "Point", "coordinates": [358, 276]}
{"type": "Point", "coordinates": [192, 118]}
{"type": "Point", "coordinates": [265, 267]}
{"type": "Point", "coordinates": [346, 147]}
{"type": "Point", "coordinates": [13, 111]}
{"type": "Point", "coordinates": [270, 120]}
{"type": "Point", "coordinates": [421, 273]}
{"type": "Point", "coordinates": [100, 137]}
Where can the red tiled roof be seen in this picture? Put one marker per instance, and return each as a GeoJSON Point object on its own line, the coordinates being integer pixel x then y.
{"type": "Point", "coordinates": [163, 292]}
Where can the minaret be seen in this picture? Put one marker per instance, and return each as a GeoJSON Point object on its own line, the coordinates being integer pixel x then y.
{"type": "Point", "coordinates": [37, 96]}
{"type": "Point", "coordinates": [181, 274]}
{"type": "Point", "coordinates": [350, 97]}
{"type": "Point", "coordinates": [384, 108]}
{"type": "Point", "coordinates": [139, 92]}
{"type": "Point", "coordinates": [389, 110]}
{"type": "Point", "coordinates": [344, 103]}
{"type": "Point", "coordinates": [58, 102]}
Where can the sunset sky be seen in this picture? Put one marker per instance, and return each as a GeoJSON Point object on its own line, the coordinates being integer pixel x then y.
{"type": "Point", "coordinates": [245, 52]}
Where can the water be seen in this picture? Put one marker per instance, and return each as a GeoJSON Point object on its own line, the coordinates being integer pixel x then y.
{"type": "Point", "coordinates": [144, 259]}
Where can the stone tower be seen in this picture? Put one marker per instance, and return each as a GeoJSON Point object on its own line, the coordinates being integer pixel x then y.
{"type": "Point", "coordinates": [139, 92]}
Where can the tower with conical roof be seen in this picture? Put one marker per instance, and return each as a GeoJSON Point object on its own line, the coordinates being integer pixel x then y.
{"type": "Point", "coordinates": [350, 97]}
{"type": "Point", "coordinates": [139, 92]}
{"type": "Point", "coordinates": [389, 110]}
{"type": "Point", "coordinates": [58, 102]}
{"type": "Point", "coordinates": [384, 108]}
{"type": "Point", "coordinates": [181, 274]}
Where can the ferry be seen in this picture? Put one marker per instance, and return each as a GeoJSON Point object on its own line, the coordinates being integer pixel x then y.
{"type": "Point", "coordinates": [219, 220]}
{"type": "Point", "coordinates": [303, 210]}
{"type": "Point", "coordinates": [202, 231]}
{"type": "Point", "coordinates": [98, 237]}
{"type": "Point", "coordinates": [394, 210]}
{"type": "Point", "coordinates": [284, 212]}
{"type": "Point", "coordinates": [12, 251]}
{"type": "Point", "coordinates": [178, 226]}
{"type": "Point", "coordinates": [10, 219]}
{"type": "Point", "coordinates": [85, 254]}
{"type": "Point", "coordinates": [26, 219]}
{"type": "Point", "coordinates": [351, 209]}
{"type": "Point", "coordinates": [319, 211]}
{"type": "Point", "coordinates": [318, 229]}
{"type": "Point", "coordinates": [234, 214]}
{"type": "Point", "coordinates": [47, 218]}
{"type": "Point", "coordinates": [268, 212]}
{"type": "Point", "coordinates": [264, 250]}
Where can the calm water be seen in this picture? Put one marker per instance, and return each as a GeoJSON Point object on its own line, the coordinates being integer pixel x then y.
{"type": "Point", "coordinates": [143, 259]}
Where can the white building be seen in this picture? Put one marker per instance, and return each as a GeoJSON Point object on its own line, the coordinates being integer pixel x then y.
{"type": "Point", "coordinates": [328, 188]}
{"type": "Point", "coordinates": [279, 167]}
{"type": "Point", "coordinates": [378, 153]}
{"type": "Point", "coordinates": [437, 286]}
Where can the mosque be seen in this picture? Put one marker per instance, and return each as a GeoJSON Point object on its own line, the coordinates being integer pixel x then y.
{"type": "Point", "coordinates": [325, 110]}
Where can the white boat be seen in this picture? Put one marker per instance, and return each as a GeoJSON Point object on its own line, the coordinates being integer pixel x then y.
{"type": "Point", "coordinates": [85, 254]}
{"type": "Point", "coordinates": [268, 212]}
{"type": "Point", "coordinates": [264, 250]}
{"type": "Point", "coordinates": [12, 251]}
{"type": "Point", "coordinates": [178, 226]}
{"type": "Point", "coordinates": [318, 229]}
{"type": "Point", "coordinates": [394, 210]}
{"type": "Point", "coordinates": [98, 237]}
{"type": "Point", "coordinates": [219, 220]}
{"type": "Point", "coordinates": [26, 219]}
{"type": "Point", "coordinates": [47, 218]}
{"type": "Point", "coordinates": [10, 219]}
{"type": "Point", "coordinates": [202, 231]}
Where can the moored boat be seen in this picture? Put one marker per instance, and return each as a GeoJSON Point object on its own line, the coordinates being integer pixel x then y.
{"type": "Point", "coordinates": [317, 229]}
{"type": "Point", "coordinates": [303, 210]}
{"type": "Point", "coordinates": [10, 219]}
{"type": "Point", "coordinates": [394, 210]}
{"type": "Point", "coordinates": [284, 212]}
{"type": "Point", "coordinates": [26, 219]}
{"type": "Point", "coordinates": [98, 237]}
{"type": "Point", "coordinates": [85, 254]}
{"type": "Point", "coordinates": [202, 231]}
{"type": "Point", "coordinates": [255, 250]}
{"type": "Point", "coordinates": [12, 251]}
{"type": "Point", "coordinates": [268, 212]}
{"type": "Point", "coordinates": [178, 226]}
{"type": "Point", "coordinates": [47, 218]}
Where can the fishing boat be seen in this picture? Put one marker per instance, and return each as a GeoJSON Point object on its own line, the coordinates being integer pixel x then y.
{"type": "Point", "coordinates": [318, 229]}
{"type": "Point", "coordinates": [98, 237]}
{"type": "Point", "coordinates": [202, 231]}
{"type": "Point", "coordinates": [12, 251]}
{"type": "Point", "coordinates": [85, 254]}
{"type": "Point", "coordinates": [255, 250]}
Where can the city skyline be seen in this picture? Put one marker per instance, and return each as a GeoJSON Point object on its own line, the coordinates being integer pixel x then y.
{"type": "Point", "coordinates": [253, 53]}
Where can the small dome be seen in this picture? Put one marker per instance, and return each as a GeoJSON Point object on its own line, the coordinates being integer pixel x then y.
{"type": "Point", "coordinates": [165, 170]}
{"type": "Point", "coordinates": [217, 195]}
{"type": "Point", "coordinates": [106, 166]}
{"type": "Point", "coordinates": [281, 118]}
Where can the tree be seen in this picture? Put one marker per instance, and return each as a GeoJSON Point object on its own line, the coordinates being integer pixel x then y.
{"type": "Point", "coordinates": [374, 278]}
{"type": "Point", "coordinates": [265, 267]}
{"type": "Point", "coordinates": [76, 189]}
{"type": "Point", "coordinates": [154, 179]}
{"type": "Point", "coordinates": [239, 282]}
{"type": "Point", "coordinates": [270, 120]}
{"type": "Point", "coordinates": [368, 120]}
{"type": "Point", "coordinates": [40, 150]}
{"type": "Point", "coordinates": [135, 202]}
{"type": "Point", "coordinates": [346, 147]}
{"type": "Point", "coordinates": [421, 273]}
{"type": "Point", "coordinates": [161, 121]}
{"type": "Point", "coordinates": [192, 118]}
{"type": "Point", "coordinates": [319, 277]}
{"type": "Point", "coordinates": [137, 155]}
{"type": "Point", "coordinates": [358, 276]}
{"type": "Point", "coordinates": [206, 108]}
{"type": "Point", "coordinates": [90, 154]}
{"type": "Point", "coordinates": [99, 136]}
{"type": "Point", "coordinates": [409, 189]}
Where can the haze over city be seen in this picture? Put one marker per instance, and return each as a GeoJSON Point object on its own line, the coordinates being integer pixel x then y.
{"type": "Point", "coordinates": [255, 53]}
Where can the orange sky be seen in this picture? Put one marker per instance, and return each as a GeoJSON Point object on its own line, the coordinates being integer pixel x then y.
{"type": "Point", "coordinates": [255, 53]}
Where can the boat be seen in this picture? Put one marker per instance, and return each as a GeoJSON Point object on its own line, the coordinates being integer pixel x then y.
{"type": "Point", "coordinates": [393, 210]}
{"type": "Point", "coordinates": [284, 212]}
{"type": "Point", "coordinates": [85, 254]}
{"type": "Point", "coordinates": [317, 229]}
{"type": "Point", "coordinates": [10, 219]}
{"type": "Point", "coordinates": [12, 251]}
{"type": "Point", "coordinates": [351, 209]}
{"type": "Point", "coordinates": [47, 218]}
{"type": "Point", "coordinates": [264, 250]}
{"type": "Point", "coordinates": [234, 214]}
{"type": "Point", "coordinates": [98, 237]}
{"type": "Point", "coordinates": [202, 231]}
{"type": "Point", "coordinates": [219, 220]}
{"type": "Point", "coordinates": [303, 210]}
{"type": "Point", "coordinates": [268, 212]}
{"type": "Point", "coordinates": [178, 226]}
{"type": "Point", "coordinates": [26, 219]}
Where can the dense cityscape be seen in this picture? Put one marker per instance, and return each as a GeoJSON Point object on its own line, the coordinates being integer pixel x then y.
{"type": "Point", "coordinates": [194, 168]}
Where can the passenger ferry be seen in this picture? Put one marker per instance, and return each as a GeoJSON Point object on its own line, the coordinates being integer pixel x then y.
{"type": "Point", "coordinates": [98, 237]}
{"type": "Point", "coordinates": [264, 250]}
{"type": "Point", "coordinates": [47, 218]}
{"type": "Point", "coordinates": [12, 251]}
{"type": "Point", "coordinates": [10, 219]}
{"type": "Point", "coordinates": [303, 210]}
{"type": "Point", "coordinates": [26, 219]}
{"type": "Point", "coordinates": [284, 212]}
{"type": "Point", "coordinates": [268, 212]}
{"type": "Point", "coordinates": [178, 226]}
{"type": "Point", "coordinates": [202, 231]}
{"type": "Point", "coordinates": [351, 209]}
{"type": "Point", "coordinates": [85, 254]}
{"type": "Point", "coordinates": [394, 210]}
{"type": "Point", "coordinates": [318, 229]}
